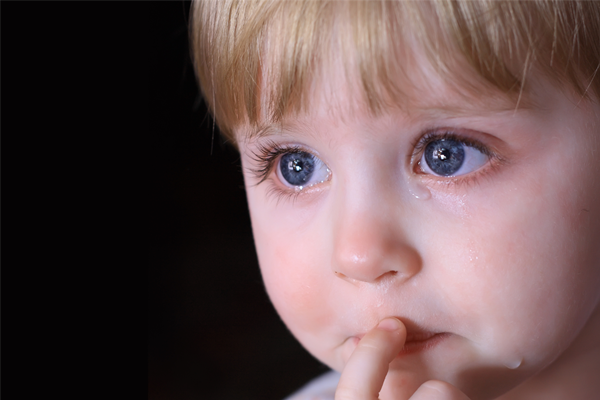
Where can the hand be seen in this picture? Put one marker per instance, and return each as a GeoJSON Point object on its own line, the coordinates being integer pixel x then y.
{"type": "Point", "coordinates": [363, 376]}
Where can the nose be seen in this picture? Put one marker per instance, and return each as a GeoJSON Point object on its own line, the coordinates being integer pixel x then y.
{"type": "Point", "coordinates": [370, 247]}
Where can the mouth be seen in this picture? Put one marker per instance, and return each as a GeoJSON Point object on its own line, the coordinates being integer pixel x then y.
{"type": "Point", "coordinates": [416, 341]}
{"type": "Point", "coordinates": [421, 341]}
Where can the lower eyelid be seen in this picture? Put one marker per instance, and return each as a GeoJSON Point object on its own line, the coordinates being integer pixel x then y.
{"type": "Point", "coordinates": [276, 191]}
{"type": "Point", "coordinates": [480, 175]}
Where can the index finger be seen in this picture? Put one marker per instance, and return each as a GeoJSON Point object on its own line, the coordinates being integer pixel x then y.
{"type": "Point", "coordinates": [368, 365]}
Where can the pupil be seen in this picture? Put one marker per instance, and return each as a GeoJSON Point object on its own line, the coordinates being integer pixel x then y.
{"type": "Point", "coordinates": [442, 154]}
{"type": "Point", "coordinates": [445, 156]}
{"type": "Point", "coordinates": [297, 168]}
{"type": "Point", "coordinates": [295, 165]}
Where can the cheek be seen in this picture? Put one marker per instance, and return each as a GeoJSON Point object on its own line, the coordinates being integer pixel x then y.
{"type": "Point", "coordinates": [528, 261]}
{"type": "Point", "coordinates": [294, 285]}
{"type": "Point", "coordinates": [295, 278]}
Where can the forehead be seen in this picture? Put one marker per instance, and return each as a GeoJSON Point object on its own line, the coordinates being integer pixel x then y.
{"type": "Point", "coordinates": [336, 93]}
{"type": "Point", "coordinates": [240, 46]}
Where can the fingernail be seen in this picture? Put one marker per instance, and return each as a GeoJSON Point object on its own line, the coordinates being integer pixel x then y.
{"type": "Point", "coordinates": [389, 324]}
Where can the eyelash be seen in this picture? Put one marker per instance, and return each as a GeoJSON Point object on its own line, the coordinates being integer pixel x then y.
{"type": "Point", "coordinates": [267, 154]}
{"type": "Point", "coordinates": [265, 157]}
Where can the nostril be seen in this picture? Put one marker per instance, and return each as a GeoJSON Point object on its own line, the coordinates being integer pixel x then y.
{"type": "Point", "coordinates": [344, 277]}
{"type": "Point", "coordinates": [380, 262]}
{"type": "Point", "coordinates": [387, 276]}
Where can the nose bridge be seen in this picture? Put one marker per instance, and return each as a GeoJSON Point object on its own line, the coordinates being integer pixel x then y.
{"type": "Point", "coordinates": [369, 237]}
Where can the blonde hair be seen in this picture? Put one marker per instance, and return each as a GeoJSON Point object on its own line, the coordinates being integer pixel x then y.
{"type": "Point", "coordinates": [238, 45]}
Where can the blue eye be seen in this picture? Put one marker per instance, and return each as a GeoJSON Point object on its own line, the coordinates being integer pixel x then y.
{"type": "Point", "coordinates": [301, 169]}
{"type": "Point", "coordinates": [449, 157]}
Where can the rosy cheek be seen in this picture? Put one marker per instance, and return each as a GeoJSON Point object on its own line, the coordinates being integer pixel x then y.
{"type": "Point", "coordinates": [296, 284]}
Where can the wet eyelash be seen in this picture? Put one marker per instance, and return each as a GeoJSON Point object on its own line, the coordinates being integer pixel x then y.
{"type": "Point", "coordinates": [279, 194]}
{"type": "Point", "coordinates": [265, 156]}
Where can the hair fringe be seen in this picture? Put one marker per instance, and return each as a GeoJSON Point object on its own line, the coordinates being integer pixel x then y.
{"type": "Point", "coordinates": [238, 45]}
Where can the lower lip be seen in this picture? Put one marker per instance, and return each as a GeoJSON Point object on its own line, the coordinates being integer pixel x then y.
{"type": "Point", "coordinates": [411, 347]}
{"type": "Point", "coordinates": [422, 345]}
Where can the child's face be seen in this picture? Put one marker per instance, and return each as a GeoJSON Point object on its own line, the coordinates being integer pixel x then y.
{"type": "Point", "coordinates": [499, 256]}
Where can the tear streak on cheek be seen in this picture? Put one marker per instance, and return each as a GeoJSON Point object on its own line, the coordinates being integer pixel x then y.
{"type": "Point", "coordinates": [454, 203]}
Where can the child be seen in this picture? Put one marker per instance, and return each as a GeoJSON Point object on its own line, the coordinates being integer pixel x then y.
{"type": "Point", "coordinates": [423, 182]}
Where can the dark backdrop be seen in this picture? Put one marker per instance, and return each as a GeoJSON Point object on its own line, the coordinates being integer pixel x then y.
{"type": "Point", "coordinates": [212, 333]}
{"type": "Point", "coordinates": [100, 100]}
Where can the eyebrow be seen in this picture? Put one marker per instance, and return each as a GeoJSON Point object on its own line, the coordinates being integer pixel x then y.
{"type": "Point", "coordinates": [276, 128]}
{"type": "Point", "coordinates": [500, 105]}
{"type": "Point", "coordinates": [450, 111]}
{"type": "Point", "coordinates": [265, 131]}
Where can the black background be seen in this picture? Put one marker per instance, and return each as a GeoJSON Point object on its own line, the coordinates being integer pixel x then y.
{"type": "Point", "coordinates": [108, 145]}
{"type": "Point", "coordinates": [135, 249]}
{"type": "Point", "coordinates": [212, 332]}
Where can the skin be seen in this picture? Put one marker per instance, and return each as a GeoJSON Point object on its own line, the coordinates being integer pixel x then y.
{"type": "Point", "coordinates": [367, 367]}
{"type": "Point", "coordinates": [503, 260]}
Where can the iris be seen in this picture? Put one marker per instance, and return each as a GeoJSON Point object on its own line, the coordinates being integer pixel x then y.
{"type": "Point", "coordinates": [445, 156]}
{"type": "Point", "coordinates": [297, 168]}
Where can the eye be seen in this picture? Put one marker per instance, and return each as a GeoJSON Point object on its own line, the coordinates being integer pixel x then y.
{"type": "Point", "coordinates": [300, 169]}
{"type": "Point", "coordinates": [451, 157]}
